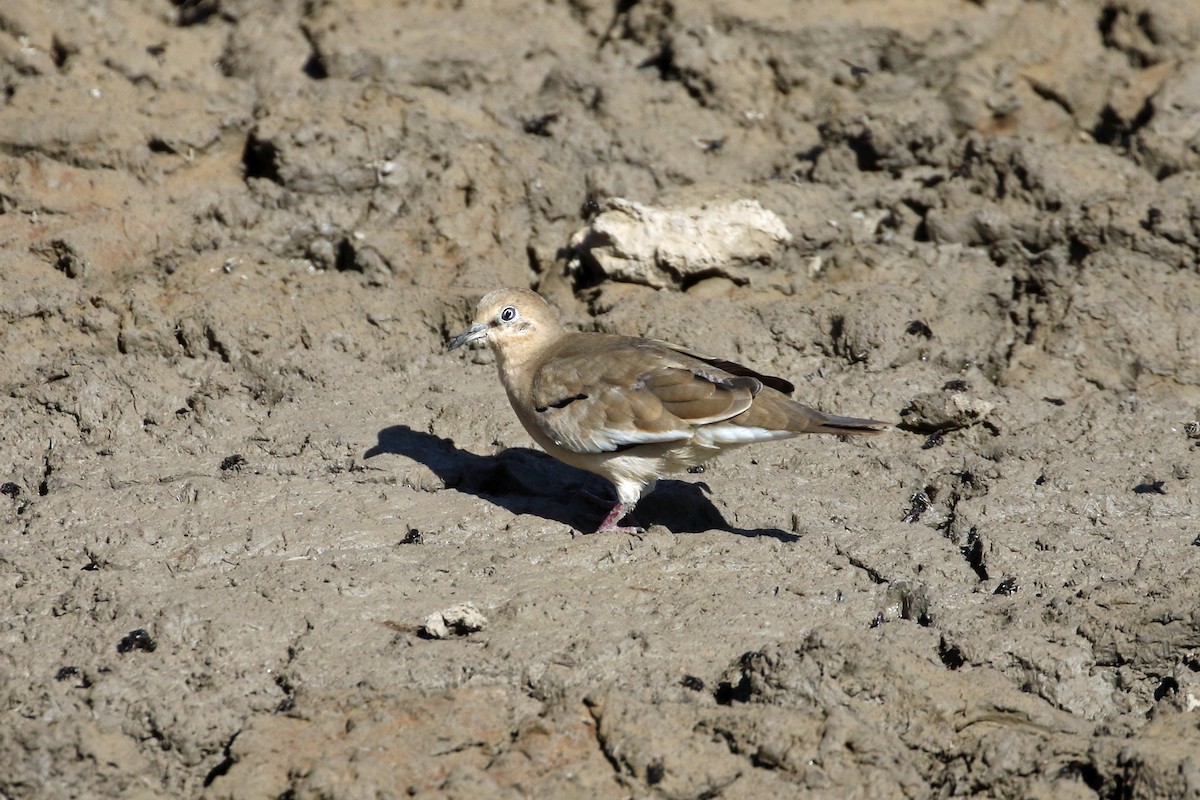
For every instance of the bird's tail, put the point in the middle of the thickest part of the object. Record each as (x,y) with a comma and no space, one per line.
(780,416)
(827,423)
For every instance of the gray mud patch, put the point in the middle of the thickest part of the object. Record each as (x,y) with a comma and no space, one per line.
(238,472)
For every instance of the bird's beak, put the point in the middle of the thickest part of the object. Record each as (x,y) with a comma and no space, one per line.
(471,334)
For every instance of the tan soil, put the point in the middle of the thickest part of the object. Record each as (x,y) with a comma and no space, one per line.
(239,470)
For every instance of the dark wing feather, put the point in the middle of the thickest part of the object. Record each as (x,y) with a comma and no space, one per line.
(733,368)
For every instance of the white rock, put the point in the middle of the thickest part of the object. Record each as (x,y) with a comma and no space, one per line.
(454,621)
(662,247)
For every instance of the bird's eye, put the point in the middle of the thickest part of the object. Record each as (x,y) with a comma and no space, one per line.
(508,314)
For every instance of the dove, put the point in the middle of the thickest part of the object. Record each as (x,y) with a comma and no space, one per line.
(631,409)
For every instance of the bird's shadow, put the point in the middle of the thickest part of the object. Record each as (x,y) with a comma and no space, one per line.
(526,481)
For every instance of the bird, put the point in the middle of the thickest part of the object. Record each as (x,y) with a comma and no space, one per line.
(630,409)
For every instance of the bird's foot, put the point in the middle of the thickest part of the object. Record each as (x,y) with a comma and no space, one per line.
(609,525)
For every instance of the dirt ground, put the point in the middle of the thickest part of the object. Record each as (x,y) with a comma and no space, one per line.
(239,470)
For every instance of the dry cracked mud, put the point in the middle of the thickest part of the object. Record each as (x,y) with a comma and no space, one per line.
(238,471)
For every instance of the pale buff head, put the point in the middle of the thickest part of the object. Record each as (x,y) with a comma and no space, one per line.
(514,322)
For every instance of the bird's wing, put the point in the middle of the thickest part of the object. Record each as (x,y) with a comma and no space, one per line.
(732,367)
(604,394)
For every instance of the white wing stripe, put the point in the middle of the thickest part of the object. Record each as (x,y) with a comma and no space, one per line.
(737,434)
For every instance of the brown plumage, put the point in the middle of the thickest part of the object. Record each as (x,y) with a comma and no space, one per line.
(629,409)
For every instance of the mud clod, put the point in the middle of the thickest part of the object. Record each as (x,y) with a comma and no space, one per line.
(919,503)
(137,639)
(233,462)
(457,620)
(935,412)
(918,328)
(1007,586)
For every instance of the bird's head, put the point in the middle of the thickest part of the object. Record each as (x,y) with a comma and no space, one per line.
(513,322)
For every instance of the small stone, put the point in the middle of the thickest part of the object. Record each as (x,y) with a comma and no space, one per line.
(138,639)
(937,412)
(668,247)
(453,621)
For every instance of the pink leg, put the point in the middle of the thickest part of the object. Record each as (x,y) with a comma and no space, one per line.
(614,516)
